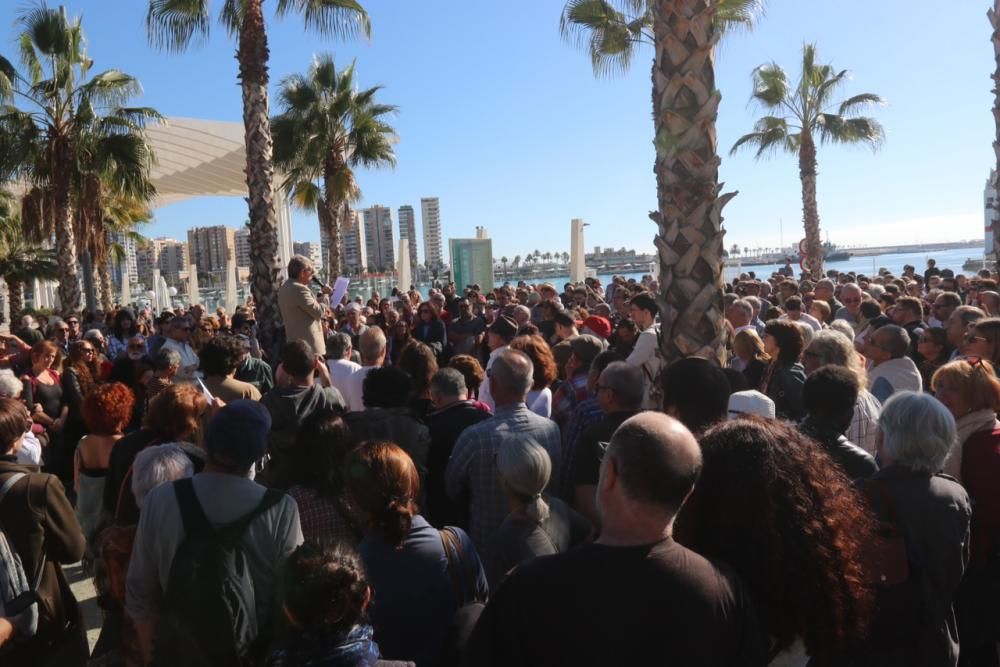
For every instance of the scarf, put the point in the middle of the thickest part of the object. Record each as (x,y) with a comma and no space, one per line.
(966,426)
(355,649)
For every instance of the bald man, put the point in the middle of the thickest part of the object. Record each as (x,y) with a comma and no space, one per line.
(635,597)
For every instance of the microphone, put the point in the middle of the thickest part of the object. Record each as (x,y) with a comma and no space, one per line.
(319,283)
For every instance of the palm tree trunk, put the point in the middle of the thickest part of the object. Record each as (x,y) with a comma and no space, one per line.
(104,280)
(689,241)
(323,213)
(994,16)
(89,284)
(810,210)
(15,296)
(252,55)
(69,282)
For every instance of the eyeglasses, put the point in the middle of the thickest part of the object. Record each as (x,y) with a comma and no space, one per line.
(87,350)
(74,322)
(971,336)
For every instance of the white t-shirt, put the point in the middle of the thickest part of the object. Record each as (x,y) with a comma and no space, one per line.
(30,452)
(352,392)
(540,402)
(644,355)
(340,371)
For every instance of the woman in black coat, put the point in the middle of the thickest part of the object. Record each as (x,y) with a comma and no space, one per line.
(784,378)
(429,329)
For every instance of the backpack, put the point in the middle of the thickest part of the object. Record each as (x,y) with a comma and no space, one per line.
(19,600)
(654,383)
(210,608)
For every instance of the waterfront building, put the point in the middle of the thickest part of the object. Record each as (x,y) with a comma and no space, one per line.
(408,232)
(309,249)
(210,248)
(430,217)
(242,240)
(379,238)
(170,256)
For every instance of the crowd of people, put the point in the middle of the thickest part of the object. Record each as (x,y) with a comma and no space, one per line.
(513,476)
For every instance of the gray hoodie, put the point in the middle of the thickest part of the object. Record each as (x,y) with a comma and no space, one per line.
(289,406)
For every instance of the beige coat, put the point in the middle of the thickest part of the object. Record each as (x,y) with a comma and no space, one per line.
(301,313)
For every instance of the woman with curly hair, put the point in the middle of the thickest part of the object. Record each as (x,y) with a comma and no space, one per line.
(107,409)
(420,576)
(473,372)
(539,398)
(326,605)
(771,504)
(784,377)
(749,349)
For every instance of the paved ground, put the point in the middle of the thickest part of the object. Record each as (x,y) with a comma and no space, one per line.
(83,589)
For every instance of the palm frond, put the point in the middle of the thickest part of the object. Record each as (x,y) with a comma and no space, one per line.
(738,14)
(609,34)
(173,25)
(770,134)
(770,85)
(344,19)
(839,130)
(859,102)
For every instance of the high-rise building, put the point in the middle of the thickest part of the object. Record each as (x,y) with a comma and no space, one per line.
(170,256)
(309,249)
(379,239)
(242,239)
(430,217)
(353,255)
(408,231)
(210,248)
(129,267)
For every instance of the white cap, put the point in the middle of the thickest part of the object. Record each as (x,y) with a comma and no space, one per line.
(750,403)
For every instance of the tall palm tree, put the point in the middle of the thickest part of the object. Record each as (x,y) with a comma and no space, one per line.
(503,260)
(121,217)
(21,260)
(683,35)
(174,24)
(994,16)
(799,115)
(326,130)
(60,128)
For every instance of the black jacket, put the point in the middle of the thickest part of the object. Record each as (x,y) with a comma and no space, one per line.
(785,388)
(856,462)
(445,426)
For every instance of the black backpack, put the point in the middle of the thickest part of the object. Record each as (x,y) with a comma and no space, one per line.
(210,608)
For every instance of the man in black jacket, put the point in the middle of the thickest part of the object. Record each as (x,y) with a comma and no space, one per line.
(829,396)
(452,414)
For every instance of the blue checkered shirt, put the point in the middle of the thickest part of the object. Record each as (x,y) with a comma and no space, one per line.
(472,469)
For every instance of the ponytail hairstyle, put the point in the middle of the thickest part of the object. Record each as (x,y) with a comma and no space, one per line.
(524,468)
(384,484)
(327,591)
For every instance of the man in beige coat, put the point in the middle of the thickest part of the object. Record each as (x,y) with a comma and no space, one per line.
(300,311)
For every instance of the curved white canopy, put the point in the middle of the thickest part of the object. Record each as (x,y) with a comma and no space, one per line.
(204,158)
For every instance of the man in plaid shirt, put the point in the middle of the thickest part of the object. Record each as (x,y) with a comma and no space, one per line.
(574,390)
(471,475)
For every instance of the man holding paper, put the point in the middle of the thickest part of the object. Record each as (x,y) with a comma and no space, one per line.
(300,311)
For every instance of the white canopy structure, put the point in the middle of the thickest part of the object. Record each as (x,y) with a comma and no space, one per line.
(198,158)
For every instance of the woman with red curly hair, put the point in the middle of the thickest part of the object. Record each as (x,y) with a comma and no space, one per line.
(107,409)
(773,505)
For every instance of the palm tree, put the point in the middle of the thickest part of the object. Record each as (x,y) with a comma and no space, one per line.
(326,130)
(565,257)
(121,216)
(800,114)
(517,262)
(21,260)
(683,35)
(173,25)
(994,16)
(503,260)
(74,131)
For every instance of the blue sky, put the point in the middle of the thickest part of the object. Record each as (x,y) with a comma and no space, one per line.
(505,122)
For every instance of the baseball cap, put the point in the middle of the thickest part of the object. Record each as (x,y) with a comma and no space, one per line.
(750,402)
(236,436)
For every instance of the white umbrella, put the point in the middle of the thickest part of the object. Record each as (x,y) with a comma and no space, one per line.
(192,285)
(231,285)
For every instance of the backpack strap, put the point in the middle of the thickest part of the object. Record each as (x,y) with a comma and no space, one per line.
(192,515)
(7,486)
(11,481)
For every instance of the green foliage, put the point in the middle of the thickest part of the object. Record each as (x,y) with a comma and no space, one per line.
(327,129)
(808,107)
(613,30)
(173,25)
